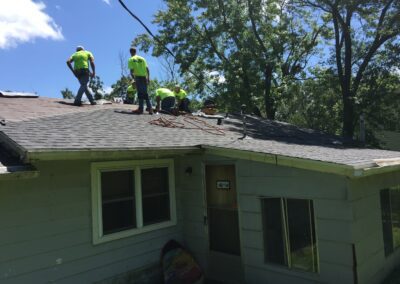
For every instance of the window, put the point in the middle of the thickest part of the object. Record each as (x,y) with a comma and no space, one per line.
(289,233)
(390,208)
(132,197)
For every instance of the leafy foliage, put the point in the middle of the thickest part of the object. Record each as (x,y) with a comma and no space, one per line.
(67,94)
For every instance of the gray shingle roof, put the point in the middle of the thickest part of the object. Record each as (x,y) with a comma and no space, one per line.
(108,129)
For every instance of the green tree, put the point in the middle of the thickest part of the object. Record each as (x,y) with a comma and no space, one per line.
(67,94)
(96,85)
(360,28)
(255,45)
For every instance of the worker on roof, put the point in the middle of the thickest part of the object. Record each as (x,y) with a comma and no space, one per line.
(130,93)
(141,74)
(165,99)
(182,100)
(81,71)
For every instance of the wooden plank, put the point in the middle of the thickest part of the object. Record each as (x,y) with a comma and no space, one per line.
(369,246)
(254,169)
(333,209)
(367,225)
(335,273)
(335,252)
(35,231)
(87,255)
(362,207)
(249,203)
(278,275)
(252,239)
(299,187)
(334,230)
(251,221)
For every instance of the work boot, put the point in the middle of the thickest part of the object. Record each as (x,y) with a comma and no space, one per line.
(93,103)
(137,111)
(150,111)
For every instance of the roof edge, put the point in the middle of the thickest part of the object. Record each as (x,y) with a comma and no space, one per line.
(109,153)
(11,145)
(300,163)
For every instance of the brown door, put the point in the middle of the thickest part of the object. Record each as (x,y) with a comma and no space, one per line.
(223,223)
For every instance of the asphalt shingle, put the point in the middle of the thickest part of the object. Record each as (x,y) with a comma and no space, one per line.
(110,128)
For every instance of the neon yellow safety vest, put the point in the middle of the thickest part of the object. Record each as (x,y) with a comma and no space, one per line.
(138,65)
(181,95)
(81,58)
(164,93)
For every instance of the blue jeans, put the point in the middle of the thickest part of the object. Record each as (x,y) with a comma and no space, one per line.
(141,87)
(168,104)
(83,77)
(184,105)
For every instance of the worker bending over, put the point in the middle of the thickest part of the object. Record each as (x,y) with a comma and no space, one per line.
(130,93)
(82,73)
(141,74)
(182,100)
(165,99)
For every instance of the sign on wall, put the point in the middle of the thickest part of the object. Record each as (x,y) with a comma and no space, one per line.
(223,184)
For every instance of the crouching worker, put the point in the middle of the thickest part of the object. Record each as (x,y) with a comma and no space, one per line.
(182,100)
(130,93)
(165,99)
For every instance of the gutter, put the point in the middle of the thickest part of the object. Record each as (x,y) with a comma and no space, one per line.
(376,167)
(18,172)
(106,154)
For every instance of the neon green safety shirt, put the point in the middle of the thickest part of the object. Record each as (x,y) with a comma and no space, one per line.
(138,65)
(181,95)
(131,91)
(164,93)
(81,58)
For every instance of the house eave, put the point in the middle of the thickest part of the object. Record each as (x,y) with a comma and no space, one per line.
(18,172)
(107,153)
(349,171)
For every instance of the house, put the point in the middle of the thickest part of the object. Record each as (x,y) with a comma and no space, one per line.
(91,194)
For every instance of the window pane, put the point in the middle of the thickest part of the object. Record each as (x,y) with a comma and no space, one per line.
(386,221)
(118,216)
(395,206)
(117,184)
(155,195)
(274,246)
(301,234)
(155,209)
(118,201)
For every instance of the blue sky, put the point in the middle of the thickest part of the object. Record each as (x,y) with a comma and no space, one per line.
(37,37)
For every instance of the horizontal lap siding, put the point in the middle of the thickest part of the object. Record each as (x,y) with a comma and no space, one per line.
(364,194)
(46,231)
(333,221)
(191,191)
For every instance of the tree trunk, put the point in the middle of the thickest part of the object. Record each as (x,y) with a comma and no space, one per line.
(268,99)
(348,114)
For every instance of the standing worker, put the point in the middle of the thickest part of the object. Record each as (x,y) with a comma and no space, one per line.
(183,101)
(141,74)
(82,73)
(166,98)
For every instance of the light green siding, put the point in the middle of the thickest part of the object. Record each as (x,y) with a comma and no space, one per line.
(46,231)
(372,265)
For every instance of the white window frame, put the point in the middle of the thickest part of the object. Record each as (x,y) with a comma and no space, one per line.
(286,236)
(135,166)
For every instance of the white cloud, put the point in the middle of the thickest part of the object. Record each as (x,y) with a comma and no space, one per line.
(107,2)
(23,21)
